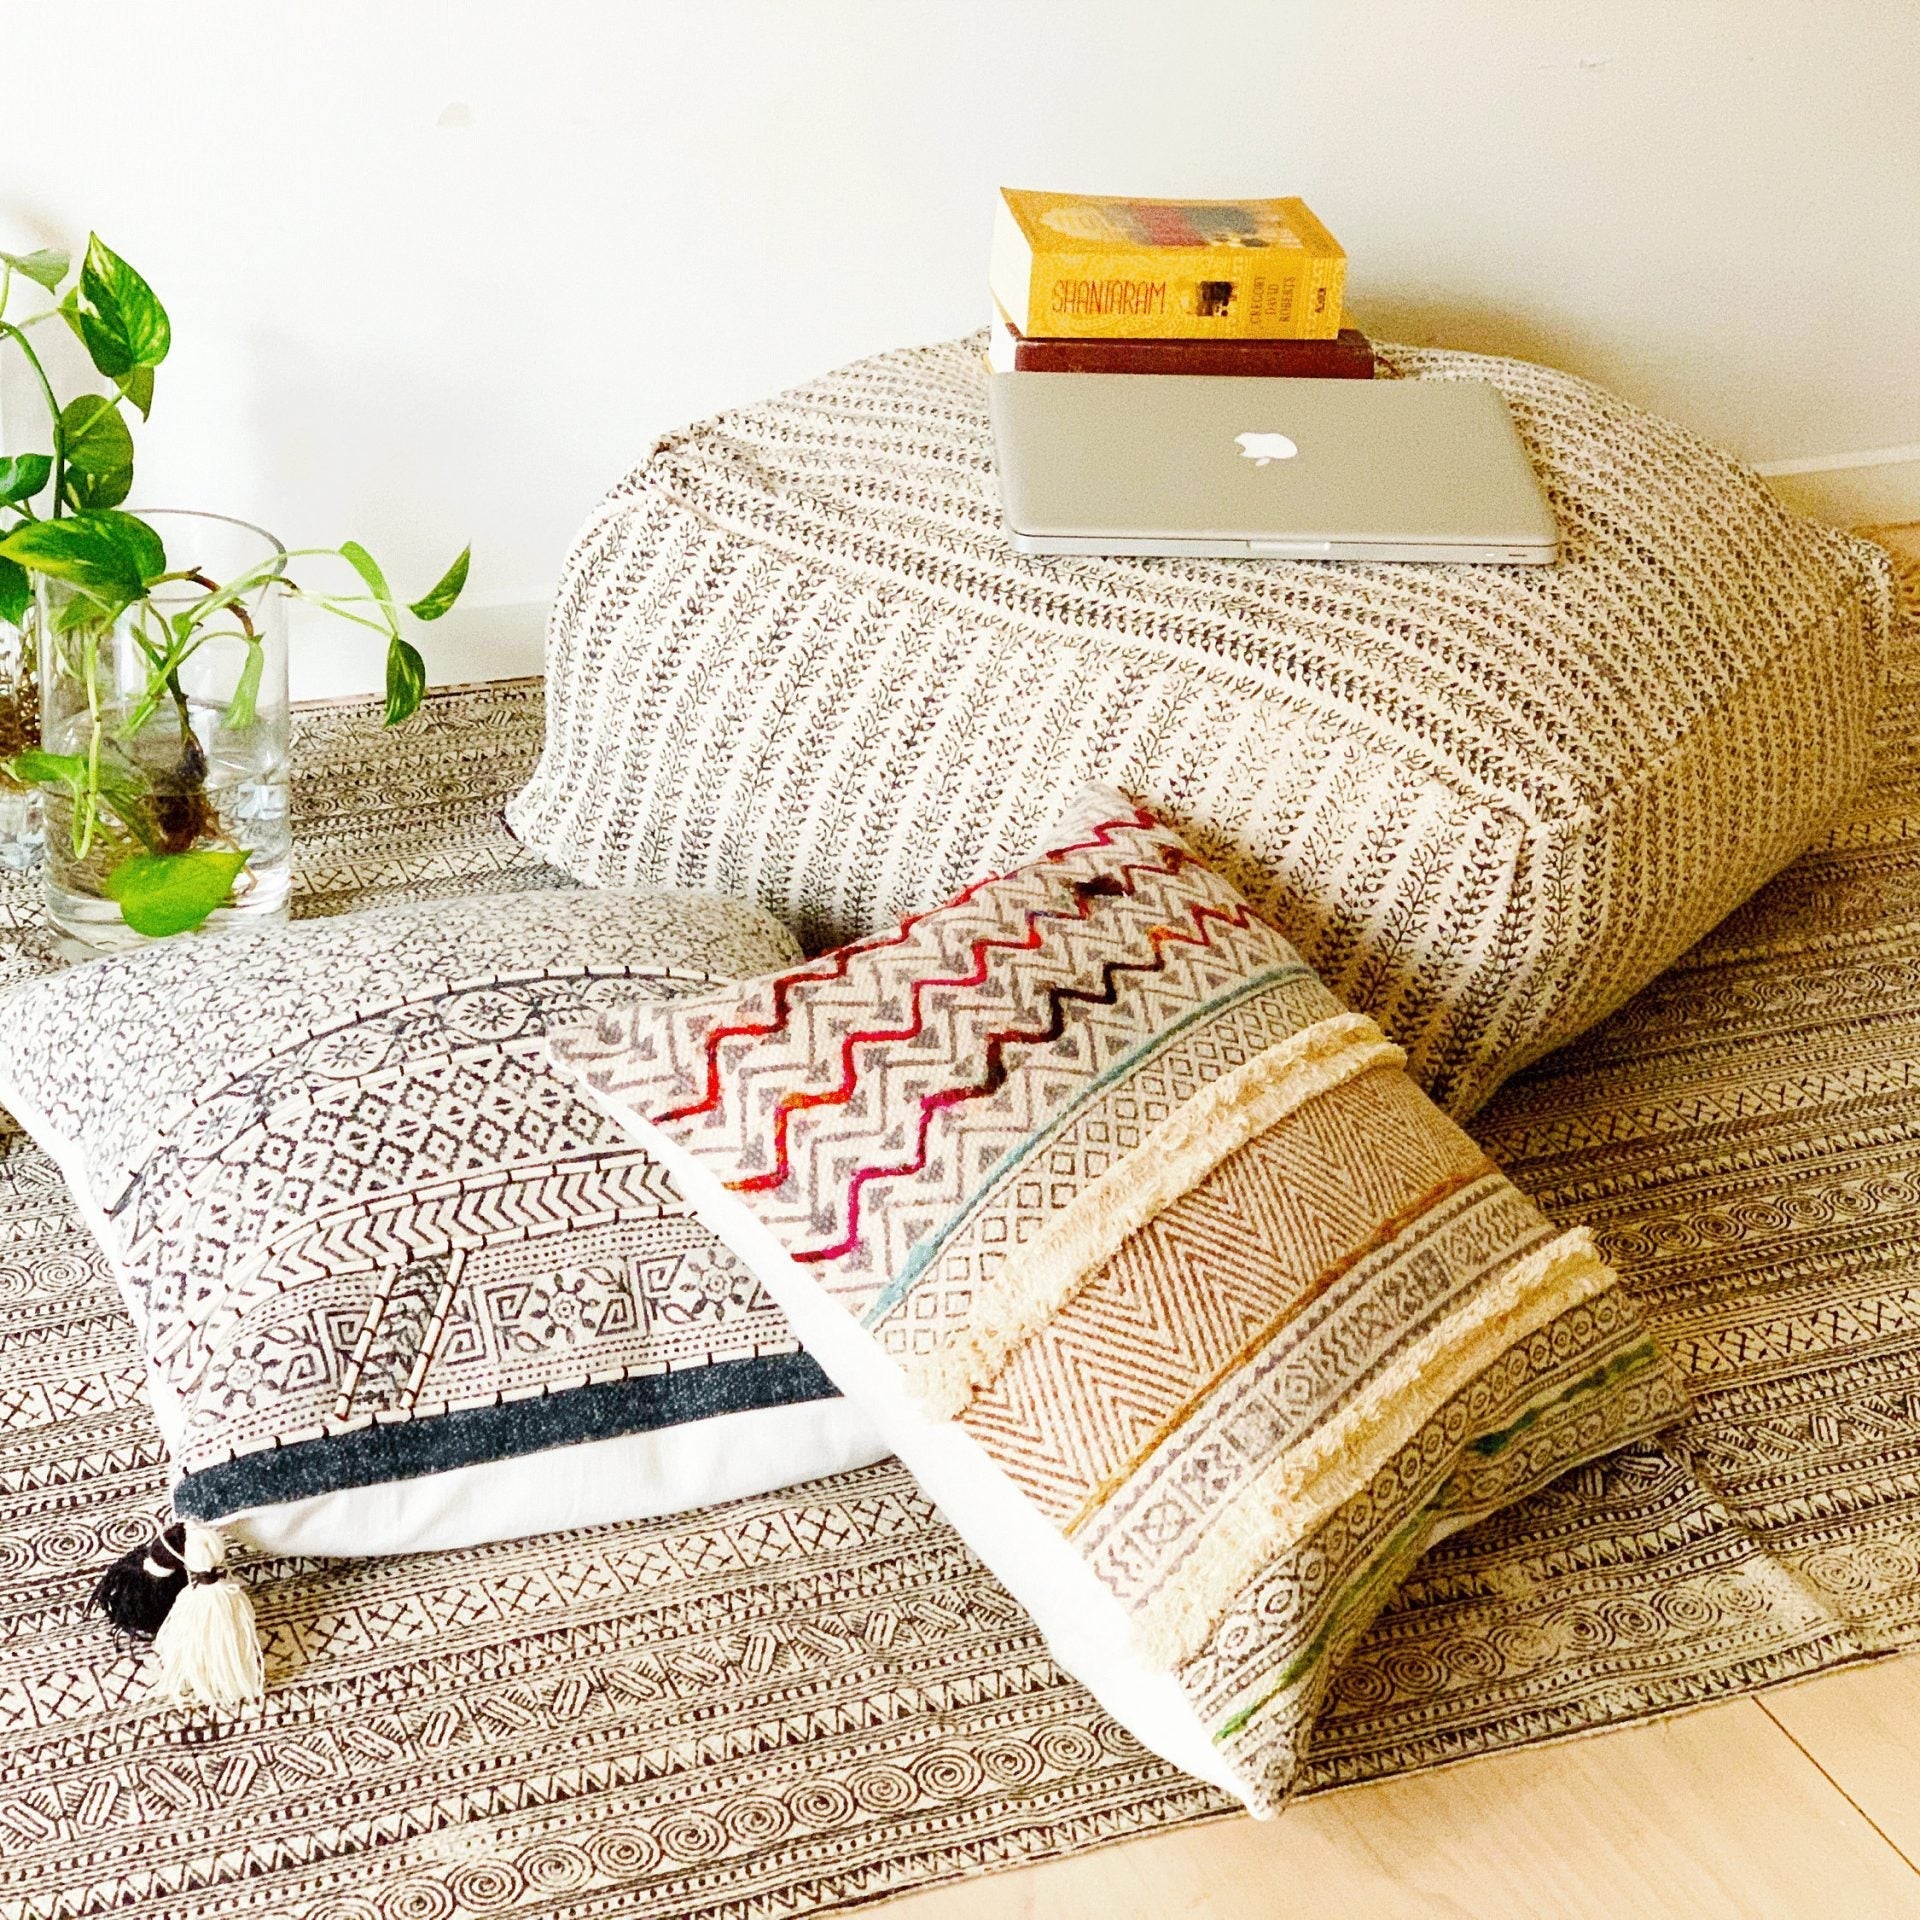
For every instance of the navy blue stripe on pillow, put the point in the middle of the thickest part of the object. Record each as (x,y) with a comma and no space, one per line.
(469,1436)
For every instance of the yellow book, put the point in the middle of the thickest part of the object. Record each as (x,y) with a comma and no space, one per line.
(1079,266)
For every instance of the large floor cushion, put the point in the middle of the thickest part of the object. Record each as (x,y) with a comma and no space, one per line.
(793,657)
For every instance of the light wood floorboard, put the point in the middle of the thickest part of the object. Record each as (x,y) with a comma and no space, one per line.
(1861,1728)
(1716,1813)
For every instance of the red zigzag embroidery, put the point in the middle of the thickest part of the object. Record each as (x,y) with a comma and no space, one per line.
(790,984)
(1159,938)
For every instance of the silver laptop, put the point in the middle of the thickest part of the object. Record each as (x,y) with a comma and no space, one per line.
(1117,463)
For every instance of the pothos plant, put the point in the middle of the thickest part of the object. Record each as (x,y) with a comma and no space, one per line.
(151,829)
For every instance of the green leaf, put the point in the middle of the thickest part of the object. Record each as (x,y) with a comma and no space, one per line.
(112,355)
(368,568)
(112,558)
(16,591)
(246,690)
(99,451)
(87,492)
(121,790)
(123,324)
(138,387)
(94,436)
(166,893)
(46,267)
(406,681)
(23,475)
(37,769)
(445,591)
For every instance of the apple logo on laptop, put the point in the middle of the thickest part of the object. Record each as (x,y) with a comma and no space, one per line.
(1263,447)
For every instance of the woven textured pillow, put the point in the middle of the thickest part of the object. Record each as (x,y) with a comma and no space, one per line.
(1193,1313)
(397,1284)
(794,657)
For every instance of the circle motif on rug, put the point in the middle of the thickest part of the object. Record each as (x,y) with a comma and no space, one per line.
(690,1836)
(754,1819)
(1009,1763)
(624,1853)
(418,1900)
(821,1805)
(555,1866)
(485,1886)
(948,1773)
(1067,1749)
(884,1789)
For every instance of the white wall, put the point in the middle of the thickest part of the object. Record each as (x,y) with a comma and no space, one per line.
(441,271)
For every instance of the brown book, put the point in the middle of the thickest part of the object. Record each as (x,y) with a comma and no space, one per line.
(1348,356)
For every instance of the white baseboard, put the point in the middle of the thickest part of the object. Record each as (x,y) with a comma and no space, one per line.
(1876,488)
(333,661)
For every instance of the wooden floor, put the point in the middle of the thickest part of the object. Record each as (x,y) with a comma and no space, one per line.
(1798,1804)
(1804,1801)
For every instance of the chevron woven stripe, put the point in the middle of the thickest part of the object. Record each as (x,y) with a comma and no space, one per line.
(1244,1255)
(953,1272)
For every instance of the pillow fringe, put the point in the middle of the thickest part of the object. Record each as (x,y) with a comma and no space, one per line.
(1224,1116)
(1310,1482)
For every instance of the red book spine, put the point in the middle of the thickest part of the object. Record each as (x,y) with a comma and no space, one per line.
(1349,356)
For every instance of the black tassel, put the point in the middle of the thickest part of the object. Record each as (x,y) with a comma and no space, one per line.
(137,1592)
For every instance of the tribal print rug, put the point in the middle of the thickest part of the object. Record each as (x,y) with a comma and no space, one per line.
(816,1699)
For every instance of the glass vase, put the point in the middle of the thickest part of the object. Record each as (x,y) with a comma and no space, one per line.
(19,730)
(189,734)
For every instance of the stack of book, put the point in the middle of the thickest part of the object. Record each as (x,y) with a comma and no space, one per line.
(1086,284)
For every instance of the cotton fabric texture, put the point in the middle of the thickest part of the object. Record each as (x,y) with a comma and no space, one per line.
(397,1284)
(1193,1314)
(793,657)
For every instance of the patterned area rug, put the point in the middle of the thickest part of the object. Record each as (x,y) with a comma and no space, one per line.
(814,1700)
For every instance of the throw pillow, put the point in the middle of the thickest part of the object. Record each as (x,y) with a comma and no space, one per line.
(1192,1312)
(793,657)
(398,1285)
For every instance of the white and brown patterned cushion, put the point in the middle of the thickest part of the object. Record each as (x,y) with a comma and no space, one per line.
(1195,1315)
(794,657)
(397,1283)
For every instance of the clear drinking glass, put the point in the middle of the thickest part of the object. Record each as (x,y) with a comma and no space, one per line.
(192,758)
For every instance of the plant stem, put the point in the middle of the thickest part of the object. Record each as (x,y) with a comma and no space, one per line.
(85,805)
(8,331)
(328,604)
(228,595)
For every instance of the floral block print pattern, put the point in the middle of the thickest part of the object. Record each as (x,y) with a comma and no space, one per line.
(1129,1201)
(368,1233)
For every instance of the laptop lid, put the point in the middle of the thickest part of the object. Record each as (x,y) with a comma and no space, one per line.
(1330,469)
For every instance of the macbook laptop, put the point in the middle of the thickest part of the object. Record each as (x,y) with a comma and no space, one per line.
(1115,463)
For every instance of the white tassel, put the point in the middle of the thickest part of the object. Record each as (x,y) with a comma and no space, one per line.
(208,1645)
